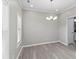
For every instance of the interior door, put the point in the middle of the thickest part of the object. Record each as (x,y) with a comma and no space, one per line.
(70,29)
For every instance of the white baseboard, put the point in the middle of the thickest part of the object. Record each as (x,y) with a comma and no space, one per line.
(63,43)
(19,52)
(40,44)
(34,45)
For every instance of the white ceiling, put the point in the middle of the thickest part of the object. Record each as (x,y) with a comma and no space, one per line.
(45,5)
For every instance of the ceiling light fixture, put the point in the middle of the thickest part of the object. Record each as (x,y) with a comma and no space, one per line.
(52,17)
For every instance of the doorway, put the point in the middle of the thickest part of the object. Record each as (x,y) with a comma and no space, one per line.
(71,30)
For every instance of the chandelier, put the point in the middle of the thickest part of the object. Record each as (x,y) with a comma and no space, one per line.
(52,17)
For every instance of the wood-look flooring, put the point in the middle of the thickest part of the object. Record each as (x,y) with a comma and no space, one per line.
(49,51)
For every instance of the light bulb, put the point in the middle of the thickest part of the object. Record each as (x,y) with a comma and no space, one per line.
(51,17)
(48,18)
(55,18)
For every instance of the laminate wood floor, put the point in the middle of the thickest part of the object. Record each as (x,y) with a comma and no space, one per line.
(49,51)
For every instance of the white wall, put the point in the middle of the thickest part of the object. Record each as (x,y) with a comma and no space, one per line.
(63,24)
(5,31)
(36,29)
(14,8)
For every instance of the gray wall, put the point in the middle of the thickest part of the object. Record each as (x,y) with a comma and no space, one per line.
(36,29)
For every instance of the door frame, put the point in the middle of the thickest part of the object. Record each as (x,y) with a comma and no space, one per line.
(67,18)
